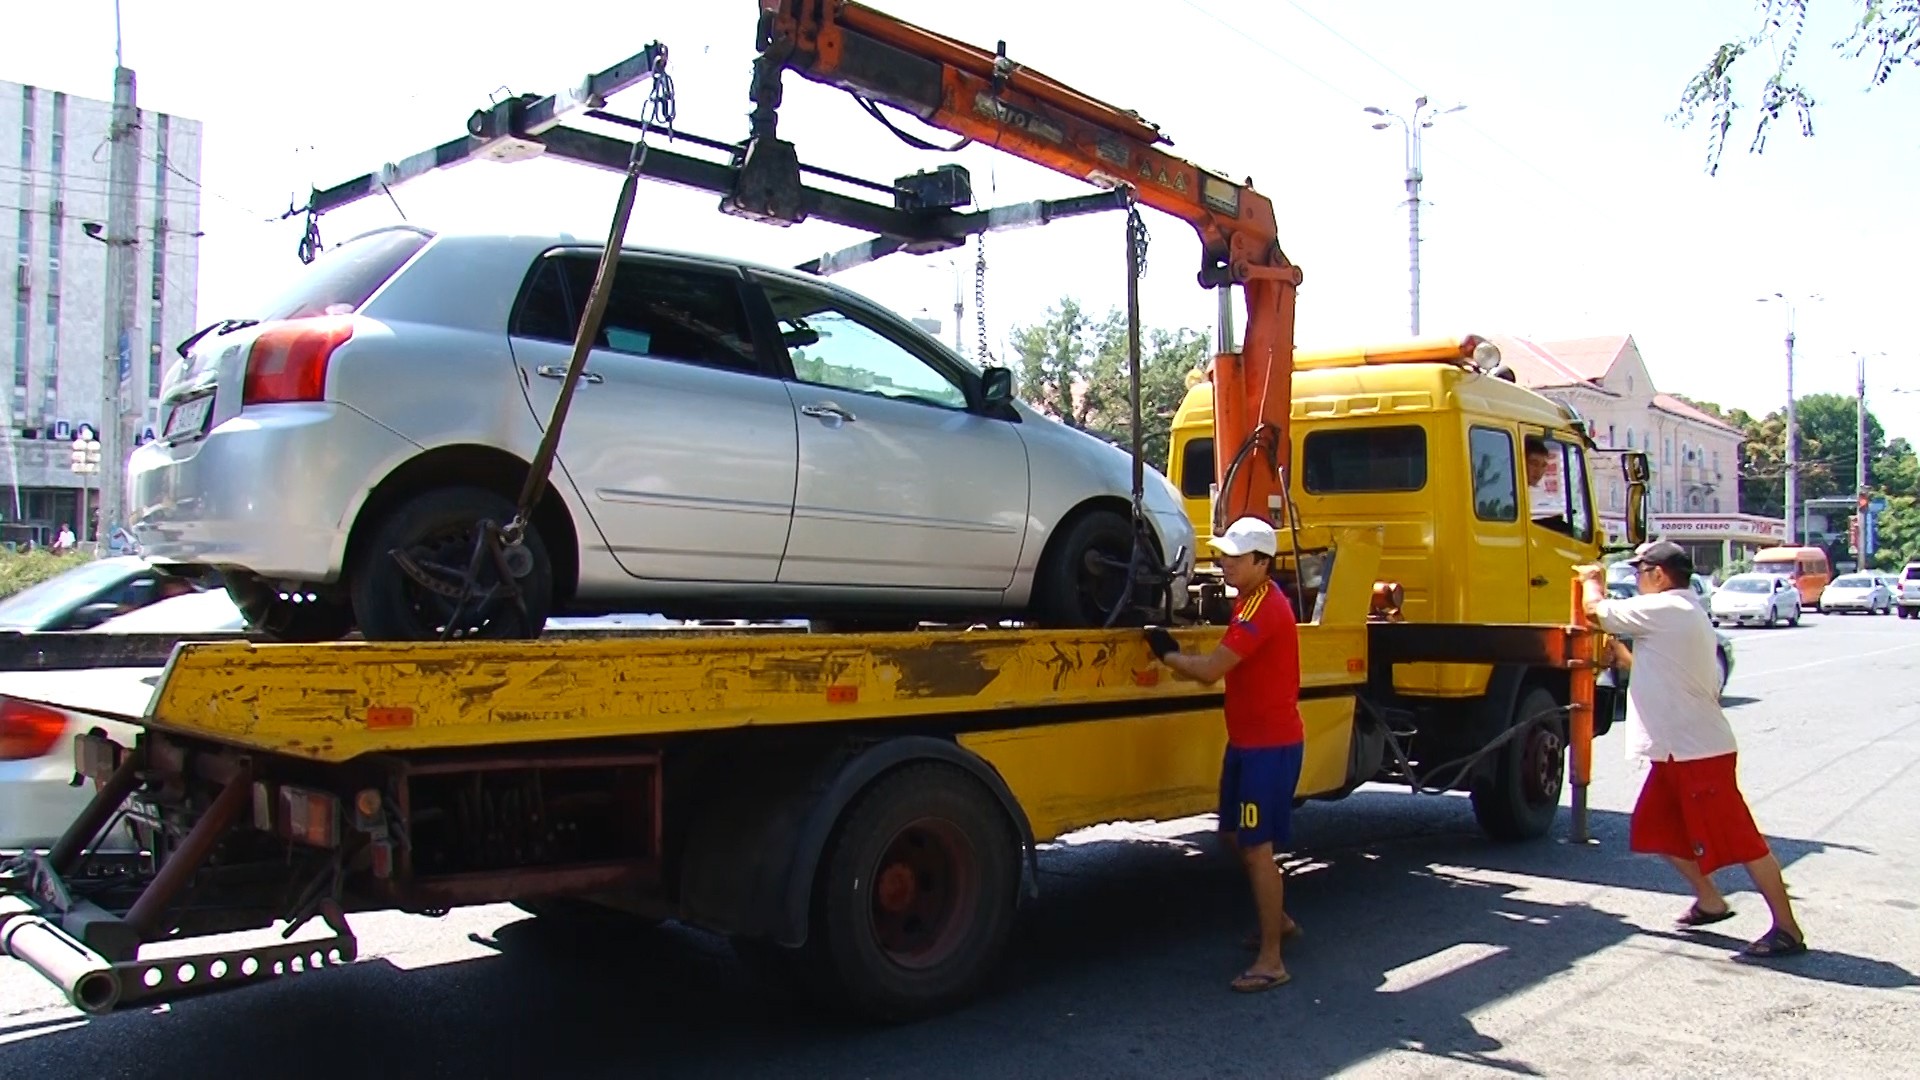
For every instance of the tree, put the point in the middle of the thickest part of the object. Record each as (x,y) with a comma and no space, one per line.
(1075,370)
(1886,33)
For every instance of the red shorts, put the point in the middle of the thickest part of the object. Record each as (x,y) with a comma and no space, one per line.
(1694,810)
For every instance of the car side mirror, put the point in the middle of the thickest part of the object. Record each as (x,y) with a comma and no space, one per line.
(996,385)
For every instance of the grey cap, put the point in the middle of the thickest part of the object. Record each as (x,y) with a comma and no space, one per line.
(1665,554)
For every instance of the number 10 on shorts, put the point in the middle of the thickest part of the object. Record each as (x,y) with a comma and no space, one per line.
(1249,815)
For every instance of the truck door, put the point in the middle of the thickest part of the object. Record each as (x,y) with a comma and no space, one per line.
(1499,564)
(1560,524)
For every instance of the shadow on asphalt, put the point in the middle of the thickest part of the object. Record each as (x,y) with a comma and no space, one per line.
(1734,701)
(1118,969)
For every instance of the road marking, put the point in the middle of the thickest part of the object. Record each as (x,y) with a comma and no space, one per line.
(1832,660)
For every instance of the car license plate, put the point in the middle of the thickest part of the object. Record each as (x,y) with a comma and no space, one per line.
(189,417)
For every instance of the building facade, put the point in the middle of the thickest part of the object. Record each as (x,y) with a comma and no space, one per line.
(54,175)
(1694,494)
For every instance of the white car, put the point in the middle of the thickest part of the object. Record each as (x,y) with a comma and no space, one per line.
(37,797)
(1856,592)
(745,442)
(1908,598)
(1761,599)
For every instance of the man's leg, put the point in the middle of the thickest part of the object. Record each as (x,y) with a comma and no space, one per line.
(1710,900)
(1269,899)
(1766,877)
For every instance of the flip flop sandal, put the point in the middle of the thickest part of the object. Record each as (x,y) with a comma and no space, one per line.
(1697,917)
(1253,982)
(1291,933)
(1777,943)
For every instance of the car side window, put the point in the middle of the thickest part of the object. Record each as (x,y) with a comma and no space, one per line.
(660,311)
(1495,494)
(830,346)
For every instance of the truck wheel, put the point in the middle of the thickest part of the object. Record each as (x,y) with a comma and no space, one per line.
(1075,588)
(915,898)
(436,530)
(1519,797)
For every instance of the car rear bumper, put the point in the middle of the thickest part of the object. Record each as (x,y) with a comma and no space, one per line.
(38,802)
(268,490)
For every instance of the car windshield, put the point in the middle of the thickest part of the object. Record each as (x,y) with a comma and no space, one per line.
(1853,581)
(1752,584)
(340,280)
(32,607)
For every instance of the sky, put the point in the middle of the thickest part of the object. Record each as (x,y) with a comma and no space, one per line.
(1559,203)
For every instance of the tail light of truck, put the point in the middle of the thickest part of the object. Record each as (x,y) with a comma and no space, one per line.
(28,730)
(288,360)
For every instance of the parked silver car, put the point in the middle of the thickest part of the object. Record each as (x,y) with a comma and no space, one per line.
(745,442)
(1764,599)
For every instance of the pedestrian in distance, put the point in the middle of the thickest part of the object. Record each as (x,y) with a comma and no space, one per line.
(1259,657)
(1690,810)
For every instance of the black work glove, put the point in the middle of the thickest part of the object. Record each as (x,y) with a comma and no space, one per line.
(1161,642)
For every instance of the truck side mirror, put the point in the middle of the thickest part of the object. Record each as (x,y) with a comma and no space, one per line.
(1636,512)
(1635,465)
(996,385)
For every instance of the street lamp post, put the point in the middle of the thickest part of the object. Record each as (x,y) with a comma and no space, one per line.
(86,462)
(1793,429)
(1421,120)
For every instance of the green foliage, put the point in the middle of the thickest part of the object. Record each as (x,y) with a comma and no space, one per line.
(1885,33)
(1827,447)
(1074,368)
(25,569)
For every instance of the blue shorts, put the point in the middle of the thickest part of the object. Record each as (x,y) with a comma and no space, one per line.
(1256,793)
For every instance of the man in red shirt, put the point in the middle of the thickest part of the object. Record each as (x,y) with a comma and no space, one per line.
(1260,659)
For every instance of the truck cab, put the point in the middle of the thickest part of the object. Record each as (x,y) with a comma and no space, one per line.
(1484,488)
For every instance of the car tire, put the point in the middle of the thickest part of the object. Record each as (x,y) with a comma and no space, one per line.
(1794,619)
(1518,798)
(1071,594)
(277,618)
(915,896)
(437,529)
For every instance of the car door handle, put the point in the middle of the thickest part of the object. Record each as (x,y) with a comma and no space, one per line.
(556,371)
(1540,581)
(827,412)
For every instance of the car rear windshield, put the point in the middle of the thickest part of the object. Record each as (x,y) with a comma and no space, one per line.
(339,281)
(1752,584)
(1854,581)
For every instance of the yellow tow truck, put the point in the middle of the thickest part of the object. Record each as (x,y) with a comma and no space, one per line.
(860,811)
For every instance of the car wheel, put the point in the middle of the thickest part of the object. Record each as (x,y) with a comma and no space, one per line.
(1794,619)
(1078,586)
(289,619)
(436,532)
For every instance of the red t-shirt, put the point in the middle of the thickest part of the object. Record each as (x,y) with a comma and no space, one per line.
(1263,689)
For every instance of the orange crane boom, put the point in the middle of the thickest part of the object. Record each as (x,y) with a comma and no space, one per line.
(988,99)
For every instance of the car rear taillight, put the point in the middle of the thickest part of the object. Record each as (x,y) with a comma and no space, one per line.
(28,730)
(288,361)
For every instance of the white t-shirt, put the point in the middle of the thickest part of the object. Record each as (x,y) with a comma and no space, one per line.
(1673,691)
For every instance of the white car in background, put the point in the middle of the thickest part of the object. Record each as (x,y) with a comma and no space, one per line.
(1856,592)
(1760,599)
(745,442)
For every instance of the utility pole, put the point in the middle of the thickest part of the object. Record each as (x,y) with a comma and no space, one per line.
(116,419)
(1415,176)
(1793,426)
(1860,462)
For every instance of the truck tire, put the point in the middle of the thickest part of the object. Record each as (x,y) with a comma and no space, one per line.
(1520,796)
(436,529)
(915,896)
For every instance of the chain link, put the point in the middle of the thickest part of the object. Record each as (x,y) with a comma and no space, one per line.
(1137,235)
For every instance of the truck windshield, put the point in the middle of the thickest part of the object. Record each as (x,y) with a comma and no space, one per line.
(1785,567)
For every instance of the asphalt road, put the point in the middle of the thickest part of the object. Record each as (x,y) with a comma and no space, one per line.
(1428,952)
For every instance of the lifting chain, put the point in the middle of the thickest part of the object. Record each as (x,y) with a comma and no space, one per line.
(1137,235)
(980,296)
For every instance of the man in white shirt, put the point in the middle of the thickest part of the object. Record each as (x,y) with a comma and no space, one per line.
(1690,809)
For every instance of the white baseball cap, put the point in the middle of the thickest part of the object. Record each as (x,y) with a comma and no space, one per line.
(1247,534)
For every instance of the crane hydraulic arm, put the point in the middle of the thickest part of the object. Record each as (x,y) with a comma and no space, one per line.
(987,99)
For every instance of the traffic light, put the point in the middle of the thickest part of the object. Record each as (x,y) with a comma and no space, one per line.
(1853,534)
(1863,502)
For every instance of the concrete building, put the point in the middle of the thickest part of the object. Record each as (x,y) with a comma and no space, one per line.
(54,159)
(1695,492)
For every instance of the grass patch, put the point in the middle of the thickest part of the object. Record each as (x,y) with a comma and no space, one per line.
(21,570)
